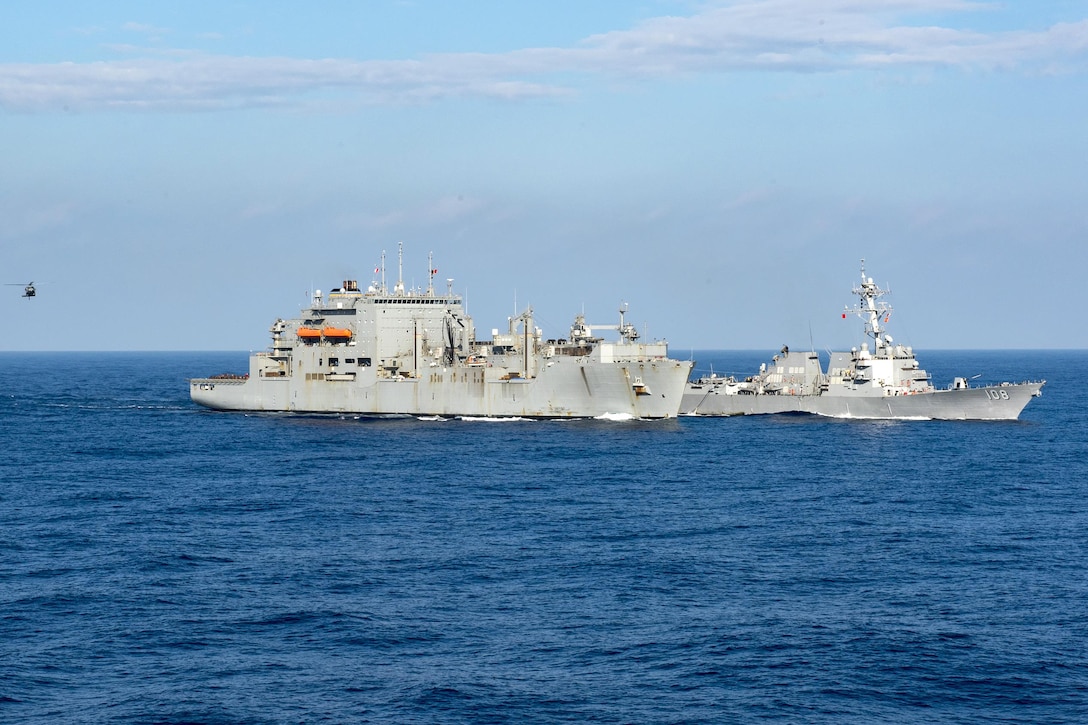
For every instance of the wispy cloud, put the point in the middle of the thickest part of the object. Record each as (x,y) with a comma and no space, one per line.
(143,28)
(748,35)
(441,212)
(25,218)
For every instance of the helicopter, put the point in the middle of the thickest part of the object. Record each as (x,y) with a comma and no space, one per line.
(28,289)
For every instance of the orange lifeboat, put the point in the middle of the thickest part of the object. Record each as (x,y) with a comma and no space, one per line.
(308,334)
(337,334)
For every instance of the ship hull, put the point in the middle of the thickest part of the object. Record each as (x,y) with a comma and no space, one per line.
(399,351)
(997,402)
(564,389)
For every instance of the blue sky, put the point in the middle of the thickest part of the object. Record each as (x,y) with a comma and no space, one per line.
(176,176)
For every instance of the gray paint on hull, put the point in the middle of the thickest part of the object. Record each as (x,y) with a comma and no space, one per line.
(996,402)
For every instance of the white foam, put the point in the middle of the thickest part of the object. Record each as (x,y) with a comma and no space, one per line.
(885,418)
(615,416)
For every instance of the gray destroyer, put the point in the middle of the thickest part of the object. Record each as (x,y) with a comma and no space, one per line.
(415,352)
(884,382)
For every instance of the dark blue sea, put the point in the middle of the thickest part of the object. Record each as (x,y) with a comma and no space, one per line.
(161,563)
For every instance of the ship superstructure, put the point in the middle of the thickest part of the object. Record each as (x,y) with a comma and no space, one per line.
(885,381)
(382,351)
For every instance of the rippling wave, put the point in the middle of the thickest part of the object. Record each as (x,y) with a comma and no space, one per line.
(164,563)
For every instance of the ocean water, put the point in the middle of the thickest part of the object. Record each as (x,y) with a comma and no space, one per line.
(164,563)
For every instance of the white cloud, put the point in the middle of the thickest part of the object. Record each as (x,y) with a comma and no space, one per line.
(260,209)
(751,197)
(437,212)
(143,28)
(754,35)
(24,218)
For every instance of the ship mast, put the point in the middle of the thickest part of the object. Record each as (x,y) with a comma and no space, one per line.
(384,291)
(871,309)
(430,274)
(399,289)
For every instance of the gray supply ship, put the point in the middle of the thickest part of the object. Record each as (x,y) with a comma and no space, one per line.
(884,382)
(415,352)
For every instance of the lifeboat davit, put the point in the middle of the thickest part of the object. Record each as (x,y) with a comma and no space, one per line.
(336,333)
(308,334)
